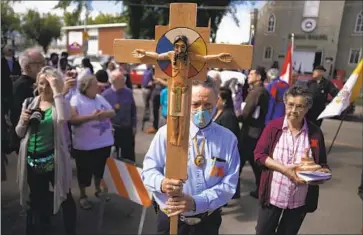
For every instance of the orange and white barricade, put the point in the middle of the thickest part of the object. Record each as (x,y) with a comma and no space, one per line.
(124,179)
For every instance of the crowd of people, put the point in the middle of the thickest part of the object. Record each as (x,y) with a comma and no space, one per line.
(54,113)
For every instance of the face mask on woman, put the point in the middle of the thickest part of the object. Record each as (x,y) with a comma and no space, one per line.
(202,118)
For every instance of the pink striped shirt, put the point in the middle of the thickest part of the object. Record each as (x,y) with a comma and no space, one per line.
(288,151)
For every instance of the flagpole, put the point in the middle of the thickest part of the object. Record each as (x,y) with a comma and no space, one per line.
(252,35)
(292,46)
(336,134)
(292,58)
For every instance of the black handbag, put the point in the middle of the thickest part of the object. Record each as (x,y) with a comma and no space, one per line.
(312,198)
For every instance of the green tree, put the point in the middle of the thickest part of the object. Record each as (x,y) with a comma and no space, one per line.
(10,21)
(74,17)
(107,19)
(144,18)
(42,28)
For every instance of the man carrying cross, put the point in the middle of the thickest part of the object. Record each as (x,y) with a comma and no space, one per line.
(213,169)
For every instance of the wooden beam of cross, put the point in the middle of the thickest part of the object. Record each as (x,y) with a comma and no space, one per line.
(181,52)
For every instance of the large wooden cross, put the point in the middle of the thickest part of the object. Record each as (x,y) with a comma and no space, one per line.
(180,71)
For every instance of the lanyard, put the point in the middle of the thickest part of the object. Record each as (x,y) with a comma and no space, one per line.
(199,159)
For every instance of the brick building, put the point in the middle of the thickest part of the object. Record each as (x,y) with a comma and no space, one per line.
(100,38)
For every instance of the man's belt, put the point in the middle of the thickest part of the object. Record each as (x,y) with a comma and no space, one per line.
(193,219)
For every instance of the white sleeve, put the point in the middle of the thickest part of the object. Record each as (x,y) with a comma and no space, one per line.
(74,101)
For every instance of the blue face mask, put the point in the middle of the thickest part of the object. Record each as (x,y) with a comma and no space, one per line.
(202,118)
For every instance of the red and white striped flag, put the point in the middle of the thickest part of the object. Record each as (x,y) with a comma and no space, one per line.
(286,70)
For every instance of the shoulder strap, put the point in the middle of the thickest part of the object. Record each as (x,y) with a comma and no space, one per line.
(29,100)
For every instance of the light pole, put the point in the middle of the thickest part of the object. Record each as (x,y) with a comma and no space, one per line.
(85,34)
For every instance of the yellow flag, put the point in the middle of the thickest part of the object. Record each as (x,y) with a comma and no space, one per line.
(347,95)
(358,71)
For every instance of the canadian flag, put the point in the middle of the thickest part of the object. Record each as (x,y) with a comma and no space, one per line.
(286,70)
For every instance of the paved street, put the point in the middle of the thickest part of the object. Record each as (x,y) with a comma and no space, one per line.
(339,212)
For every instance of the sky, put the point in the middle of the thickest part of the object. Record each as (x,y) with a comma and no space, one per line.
(228,31)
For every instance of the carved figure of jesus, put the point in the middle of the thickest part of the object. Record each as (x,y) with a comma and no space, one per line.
(180,59)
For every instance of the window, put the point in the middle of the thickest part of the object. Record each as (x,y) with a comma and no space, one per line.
(359,23)
(354,56)
(93,37)
(267,55)
(271,23)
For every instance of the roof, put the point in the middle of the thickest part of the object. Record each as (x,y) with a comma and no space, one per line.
(95,26)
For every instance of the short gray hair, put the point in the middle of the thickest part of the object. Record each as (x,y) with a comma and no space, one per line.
(208,83)
(25,57)
(300,90)
(113,76)
(215,75)
(85,82)
(273,74)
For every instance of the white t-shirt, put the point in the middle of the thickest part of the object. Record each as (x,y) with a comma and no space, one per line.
(93,134)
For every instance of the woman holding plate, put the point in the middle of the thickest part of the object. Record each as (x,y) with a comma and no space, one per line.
(279,152)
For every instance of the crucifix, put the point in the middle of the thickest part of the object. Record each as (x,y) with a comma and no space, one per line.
(181,52)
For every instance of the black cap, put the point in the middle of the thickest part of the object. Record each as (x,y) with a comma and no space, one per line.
(102,76)
(320,67)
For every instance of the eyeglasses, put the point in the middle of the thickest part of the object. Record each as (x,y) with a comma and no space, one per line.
(298,107)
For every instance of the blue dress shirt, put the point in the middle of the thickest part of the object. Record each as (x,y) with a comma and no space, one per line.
(209,192)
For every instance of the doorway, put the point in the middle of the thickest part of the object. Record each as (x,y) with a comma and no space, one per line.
(318,58)
(303,61)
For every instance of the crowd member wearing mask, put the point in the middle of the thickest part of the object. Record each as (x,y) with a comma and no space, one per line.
(124,122)
(213,160)
(44,156)
(8,60)
(253,120)
(91,135)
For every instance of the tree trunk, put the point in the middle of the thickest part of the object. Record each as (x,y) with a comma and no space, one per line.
(45,49)
(213,37)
